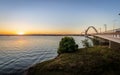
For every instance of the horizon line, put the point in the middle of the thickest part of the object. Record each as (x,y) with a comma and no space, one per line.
(41,35)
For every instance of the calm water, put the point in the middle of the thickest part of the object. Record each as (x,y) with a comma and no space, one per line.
(17,53)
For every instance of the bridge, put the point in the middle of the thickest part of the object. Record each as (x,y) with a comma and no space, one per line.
(111,36)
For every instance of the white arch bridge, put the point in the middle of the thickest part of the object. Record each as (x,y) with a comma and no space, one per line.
(113,37)
(86,31)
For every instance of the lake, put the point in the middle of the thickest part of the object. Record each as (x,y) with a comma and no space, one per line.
(17,53)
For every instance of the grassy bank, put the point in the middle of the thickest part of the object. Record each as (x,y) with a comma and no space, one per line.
(88,61)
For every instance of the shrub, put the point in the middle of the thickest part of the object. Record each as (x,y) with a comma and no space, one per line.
(86,44)
(95,41)
(66,45)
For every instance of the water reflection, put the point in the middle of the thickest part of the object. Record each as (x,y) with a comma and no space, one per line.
(20,43)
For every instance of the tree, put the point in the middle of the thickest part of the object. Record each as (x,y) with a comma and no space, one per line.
(67,45)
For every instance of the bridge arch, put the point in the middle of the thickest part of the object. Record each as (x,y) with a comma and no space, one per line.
(89,28)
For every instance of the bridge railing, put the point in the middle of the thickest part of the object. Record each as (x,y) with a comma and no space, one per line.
(113,33)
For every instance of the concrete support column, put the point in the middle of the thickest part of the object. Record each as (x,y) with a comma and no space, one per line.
(109,44)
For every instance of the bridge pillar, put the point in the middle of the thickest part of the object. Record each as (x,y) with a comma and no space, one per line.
(109,44)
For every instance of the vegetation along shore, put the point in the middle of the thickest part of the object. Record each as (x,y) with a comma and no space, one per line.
(97,60)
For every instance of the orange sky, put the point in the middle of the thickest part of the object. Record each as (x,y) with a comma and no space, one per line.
(36,32)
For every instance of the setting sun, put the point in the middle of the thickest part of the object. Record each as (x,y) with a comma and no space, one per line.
(21,33)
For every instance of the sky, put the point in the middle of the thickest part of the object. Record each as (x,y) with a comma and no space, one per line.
(57,16)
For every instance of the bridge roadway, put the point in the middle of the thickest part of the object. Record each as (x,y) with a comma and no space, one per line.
(109,37)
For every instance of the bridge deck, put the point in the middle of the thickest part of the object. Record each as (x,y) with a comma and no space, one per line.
(109,37)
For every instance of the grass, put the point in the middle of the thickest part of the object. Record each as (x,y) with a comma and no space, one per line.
(87,61)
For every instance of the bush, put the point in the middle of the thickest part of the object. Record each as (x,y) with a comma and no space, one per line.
(86,44)
(66,45)
(95,41)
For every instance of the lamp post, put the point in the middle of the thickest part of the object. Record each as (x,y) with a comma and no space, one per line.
(105,27)
(100,30)
(114,24)
(119,14)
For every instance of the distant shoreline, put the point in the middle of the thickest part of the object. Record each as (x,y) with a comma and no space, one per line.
(42,35)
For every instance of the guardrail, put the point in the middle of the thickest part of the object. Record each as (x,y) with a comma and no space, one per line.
(114,34)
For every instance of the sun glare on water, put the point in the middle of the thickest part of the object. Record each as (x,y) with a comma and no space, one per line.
(21,33)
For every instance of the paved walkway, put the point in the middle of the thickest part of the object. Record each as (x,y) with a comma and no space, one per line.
(109,37)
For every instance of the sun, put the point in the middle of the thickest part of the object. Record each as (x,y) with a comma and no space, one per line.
(21,33)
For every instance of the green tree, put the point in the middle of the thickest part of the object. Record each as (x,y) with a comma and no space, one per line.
(66,45)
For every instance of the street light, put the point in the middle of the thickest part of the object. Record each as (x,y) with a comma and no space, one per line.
(100,30)
(114,24)
(119,14)
(105,27)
